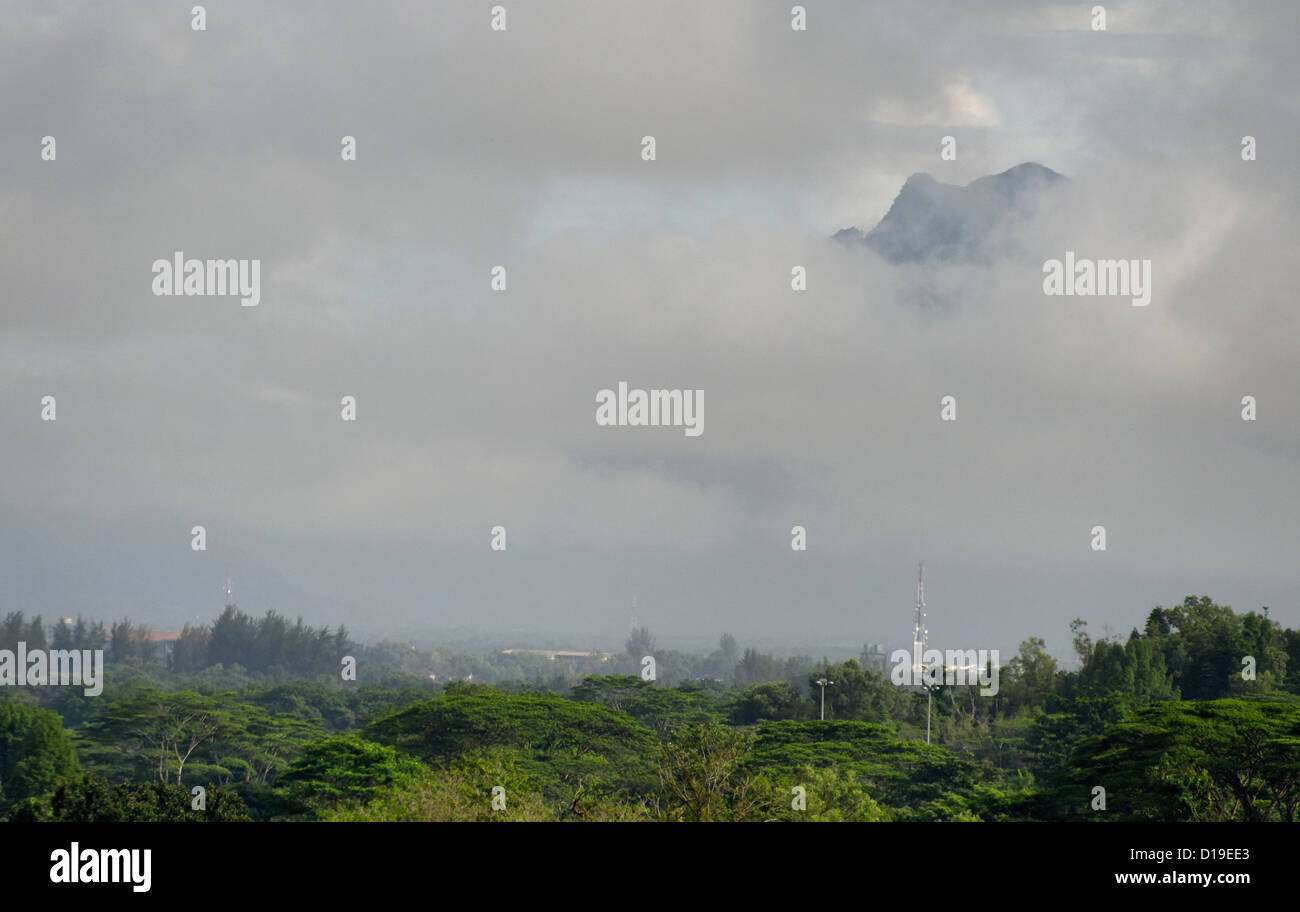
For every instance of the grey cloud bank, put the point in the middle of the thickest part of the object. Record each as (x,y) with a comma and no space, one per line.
(475,408)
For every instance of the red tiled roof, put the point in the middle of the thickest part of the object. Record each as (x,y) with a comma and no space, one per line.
(158,636)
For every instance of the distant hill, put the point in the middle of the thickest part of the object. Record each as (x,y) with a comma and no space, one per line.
(930,221)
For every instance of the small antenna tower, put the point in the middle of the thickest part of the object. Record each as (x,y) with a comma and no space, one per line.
(920,635)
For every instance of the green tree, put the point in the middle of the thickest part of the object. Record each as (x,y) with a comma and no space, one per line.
(859,694)
(461,790)
(158,731)
(767,702)
(63,636)
(640,643)
(90,799)
(346,768)
(173,735)
(661,709)
(35,754)
(701,778)
(917,781)
(1208,760)
(1081,641)
(556,742)
(729,648)
(36,634)
(831,795)
(1032,676)
(756,667)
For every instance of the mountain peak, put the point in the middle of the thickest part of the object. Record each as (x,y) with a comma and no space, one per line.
(920,178)
(930,220)
(1030,169)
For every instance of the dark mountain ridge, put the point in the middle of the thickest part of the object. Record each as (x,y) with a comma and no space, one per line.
(930,221)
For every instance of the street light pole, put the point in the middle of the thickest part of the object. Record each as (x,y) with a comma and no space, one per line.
(823,682)
(929,700)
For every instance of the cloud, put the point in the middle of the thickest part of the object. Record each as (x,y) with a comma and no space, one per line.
(822,407)
(960,105)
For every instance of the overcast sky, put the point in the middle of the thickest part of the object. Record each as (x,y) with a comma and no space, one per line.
(523,148)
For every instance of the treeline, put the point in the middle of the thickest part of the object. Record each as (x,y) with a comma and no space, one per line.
(618,748)
(270,645)
(1195,716)
(122,642)
(38,635)
(1196,651)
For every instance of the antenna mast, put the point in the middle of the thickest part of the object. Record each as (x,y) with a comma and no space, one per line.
(920,635)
